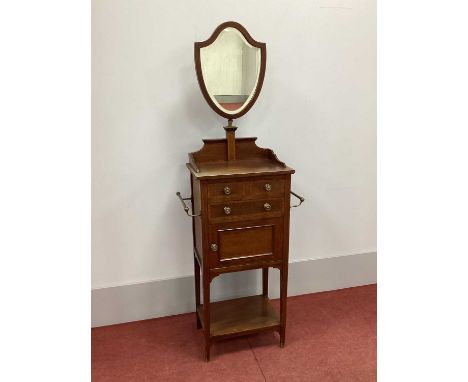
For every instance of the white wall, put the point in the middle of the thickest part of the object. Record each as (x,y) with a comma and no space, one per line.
(317,110)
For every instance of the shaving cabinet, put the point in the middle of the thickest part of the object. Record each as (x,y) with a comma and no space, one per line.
(241,194)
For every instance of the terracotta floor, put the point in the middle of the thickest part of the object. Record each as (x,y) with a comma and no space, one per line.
(330,336)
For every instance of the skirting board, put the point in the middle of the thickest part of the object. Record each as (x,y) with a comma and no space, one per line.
(133,302)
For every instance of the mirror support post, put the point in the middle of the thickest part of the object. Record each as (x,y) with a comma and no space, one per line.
(230,140)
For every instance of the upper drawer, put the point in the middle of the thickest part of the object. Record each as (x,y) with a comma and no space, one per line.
(266,188)
(253,188)
(224,191)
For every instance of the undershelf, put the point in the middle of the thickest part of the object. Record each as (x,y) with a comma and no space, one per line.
(241,316)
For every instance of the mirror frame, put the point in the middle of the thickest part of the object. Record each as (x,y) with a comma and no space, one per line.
(261,75)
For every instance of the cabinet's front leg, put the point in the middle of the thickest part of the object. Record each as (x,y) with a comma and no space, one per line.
(265,281)
(197,289)
(206,313)
(283,298)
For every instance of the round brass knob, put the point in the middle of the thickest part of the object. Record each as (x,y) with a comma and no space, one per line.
(214,247)
(227,191)
(227,210)
(268,187)
(267,206)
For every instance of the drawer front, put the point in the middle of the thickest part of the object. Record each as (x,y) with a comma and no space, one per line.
(225,191)
(255,241)
(246,189)
(242,210)
(266,188)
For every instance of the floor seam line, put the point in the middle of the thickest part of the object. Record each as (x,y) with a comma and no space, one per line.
(256,360)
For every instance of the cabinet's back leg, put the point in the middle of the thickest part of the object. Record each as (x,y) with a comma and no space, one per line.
(265,281)
(206,313)
(283,298)
(207,351)
(197,289)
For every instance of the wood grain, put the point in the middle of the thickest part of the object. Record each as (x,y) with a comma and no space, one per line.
(231,143)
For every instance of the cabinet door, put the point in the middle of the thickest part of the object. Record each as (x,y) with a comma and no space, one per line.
(245,242)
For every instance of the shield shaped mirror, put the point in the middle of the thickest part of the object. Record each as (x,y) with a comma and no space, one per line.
(230,68)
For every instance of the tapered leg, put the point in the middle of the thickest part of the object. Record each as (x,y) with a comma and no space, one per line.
(197,289)
(283,297)
(265,281)
(207,351)
(206,314)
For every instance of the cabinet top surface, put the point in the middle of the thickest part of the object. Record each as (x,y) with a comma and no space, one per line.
(210,161)
(238,168)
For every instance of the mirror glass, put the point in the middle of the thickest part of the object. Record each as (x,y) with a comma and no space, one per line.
(230,68)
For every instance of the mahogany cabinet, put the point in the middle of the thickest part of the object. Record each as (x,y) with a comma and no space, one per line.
(240,222)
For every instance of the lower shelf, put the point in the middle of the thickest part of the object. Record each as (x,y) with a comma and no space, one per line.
(240,316)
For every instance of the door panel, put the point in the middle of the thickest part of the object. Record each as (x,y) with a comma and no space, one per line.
(244,242)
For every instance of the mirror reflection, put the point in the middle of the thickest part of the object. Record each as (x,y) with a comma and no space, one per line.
(230,68)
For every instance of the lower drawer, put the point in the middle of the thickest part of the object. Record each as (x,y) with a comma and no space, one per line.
(242,210)
(253,241)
